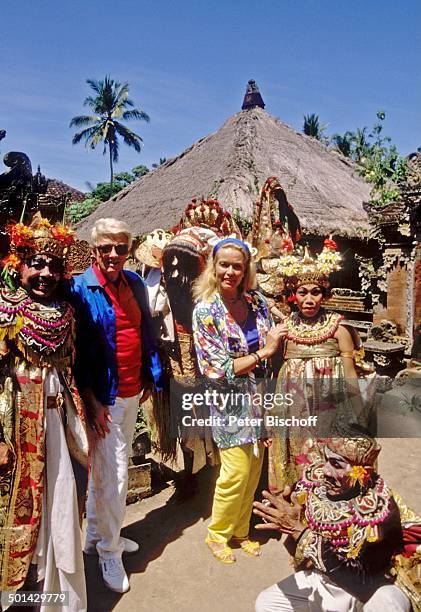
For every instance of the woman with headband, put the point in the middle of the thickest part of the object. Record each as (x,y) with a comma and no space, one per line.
(233,336)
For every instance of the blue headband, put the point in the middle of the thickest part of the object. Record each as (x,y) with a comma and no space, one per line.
(227,241)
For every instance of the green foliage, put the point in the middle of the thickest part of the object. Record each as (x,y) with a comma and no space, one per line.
(162,160)
(76,211)
(244,223)
(343,144)
(110,106)
(102,192)
(139,171)
(377,160)
(312,127)
(380,164)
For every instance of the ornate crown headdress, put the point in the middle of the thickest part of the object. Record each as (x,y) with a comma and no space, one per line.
(209,213)
(301,269)
(40,236)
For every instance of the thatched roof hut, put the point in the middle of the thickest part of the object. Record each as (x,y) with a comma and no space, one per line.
(232,164)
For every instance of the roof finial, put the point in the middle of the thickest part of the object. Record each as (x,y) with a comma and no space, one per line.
(252,97)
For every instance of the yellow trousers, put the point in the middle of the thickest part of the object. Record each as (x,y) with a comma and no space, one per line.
(234,492)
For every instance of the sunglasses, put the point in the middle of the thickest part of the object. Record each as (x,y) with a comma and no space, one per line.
(120,249)
(54,265)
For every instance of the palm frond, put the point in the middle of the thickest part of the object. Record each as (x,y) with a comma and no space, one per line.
(136,114)
(87,134)
(84,120)
(130,138)
(95,85)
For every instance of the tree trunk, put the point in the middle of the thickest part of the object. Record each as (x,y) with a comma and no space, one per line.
(110,147)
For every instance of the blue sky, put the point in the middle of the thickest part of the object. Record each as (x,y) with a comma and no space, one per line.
(188,62)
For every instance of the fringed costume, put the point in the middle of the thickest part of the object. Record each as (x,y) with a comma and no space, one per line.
(42,425)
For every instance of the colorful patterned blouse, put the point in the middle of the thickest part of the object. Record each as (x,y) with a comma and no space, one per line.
(218,340)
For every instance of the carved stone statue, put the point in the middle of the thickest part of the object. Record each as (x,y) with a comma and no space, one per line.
(20,172)
(386,331)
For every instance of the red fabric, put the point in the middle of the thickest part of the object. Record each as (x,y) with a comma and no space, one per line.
(128,334)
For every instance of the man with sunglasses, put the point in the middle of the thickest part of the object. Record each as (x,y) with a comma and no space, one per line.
(116,365)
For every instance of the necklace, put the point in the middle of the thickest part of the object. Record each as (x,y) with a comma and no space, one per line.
(312,331)
(232,301)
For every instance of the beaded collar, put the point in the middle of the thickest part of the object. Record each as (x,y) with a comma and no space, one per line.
(346,524)
(308,331)
(38,330)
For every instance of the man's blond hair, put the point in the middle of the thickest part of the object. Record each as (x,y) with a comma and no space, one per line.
(110,227)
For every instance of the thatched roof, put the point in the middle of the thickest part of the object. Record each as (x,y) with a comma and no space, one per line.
(232,164)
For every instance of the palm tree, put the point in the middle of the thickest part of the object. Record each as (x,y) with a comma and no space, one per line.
(162,160)
(361,144)
(111,104)
(312,126)
(343,144)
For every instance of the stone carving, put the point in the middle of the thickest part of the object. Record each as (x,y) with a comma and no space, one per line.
(386,331)
(20,173)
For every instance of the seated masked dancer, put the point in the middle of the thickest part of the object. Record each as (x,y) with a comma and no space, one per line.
(318,369)
(355,544)
(41,419)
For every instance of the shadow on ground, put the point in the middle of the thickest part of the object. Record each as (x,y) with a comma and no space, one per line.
(158,528)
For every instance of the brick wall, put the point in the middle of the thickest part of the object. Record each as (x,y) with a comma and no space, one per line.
(397,286)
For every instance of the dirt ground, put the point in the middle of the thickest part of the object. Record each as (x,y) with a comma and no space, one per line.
(174,570)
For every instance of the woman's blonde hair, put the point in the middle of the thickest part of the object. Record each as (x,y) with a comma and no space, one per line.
(110,227)
(206,286)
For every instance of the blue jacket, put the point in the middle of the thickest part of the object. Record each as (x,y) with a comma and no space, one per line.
(96,361)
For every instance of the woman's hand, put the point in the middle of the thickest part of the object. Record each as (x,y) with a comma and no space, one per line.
(274,339)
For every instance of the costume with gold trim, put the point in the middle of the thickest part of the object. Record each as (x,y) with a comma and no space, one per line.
(36,342)
(363,542)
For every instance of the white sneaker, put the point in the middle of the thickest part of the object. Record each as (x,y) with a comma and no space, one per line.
(114,574)
(130,547)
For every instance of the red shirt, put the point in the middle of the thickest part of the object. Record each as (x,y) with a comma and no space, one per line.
(128,334)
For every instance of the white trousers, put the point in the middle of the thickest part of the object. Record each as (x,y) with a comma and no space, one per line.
(313,592)
(109,478)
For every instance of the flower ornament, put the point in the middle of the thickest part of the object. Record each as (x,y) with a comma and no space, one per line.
(300,268)
(359,474)
(330,244)
(20,235)
(63,234)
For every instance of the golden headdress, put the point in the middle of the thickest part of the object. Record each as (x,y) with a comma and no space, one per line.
(299,269)
(353,442)
(40,236)
(209,213)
